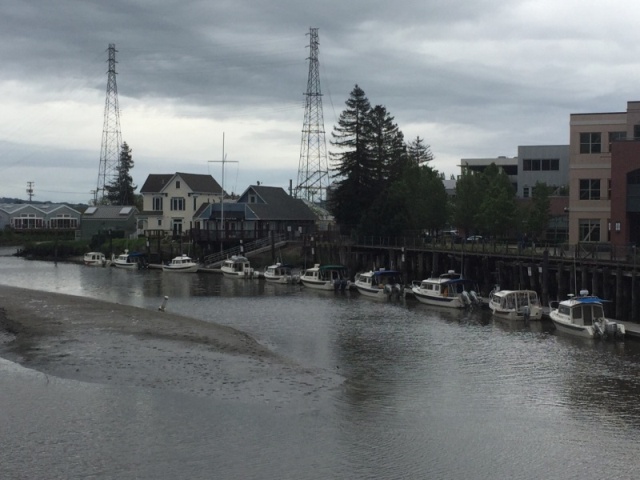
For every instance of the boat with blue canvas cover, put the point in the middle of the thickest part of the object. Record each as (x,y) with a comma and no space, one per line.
(381,284)
(583,315)
(130,260)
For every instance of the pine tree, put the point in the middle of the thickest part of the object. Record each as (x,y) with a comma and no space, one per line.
(121,190)
(354,170)
(387,147)
(419,153)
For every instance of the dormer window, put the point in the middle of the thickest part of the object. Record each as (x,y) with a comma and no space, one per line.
(252,199)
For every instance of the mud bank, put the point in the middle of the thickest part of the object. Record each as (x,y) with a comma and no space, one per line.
(100,342)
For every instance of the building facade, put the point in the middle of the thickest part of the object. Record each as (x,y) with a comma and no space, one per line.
(171,201)
(600,153)
(38,216)
(547,164)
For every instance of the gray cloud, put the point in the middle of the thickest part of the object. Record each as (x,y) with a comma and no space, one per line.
(475,78)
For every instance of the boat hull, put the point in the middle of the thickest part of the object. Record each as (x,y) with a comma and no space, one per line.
(450,302)
(181,269)
(319,284)
(583,331)
(534,314)
(126,266)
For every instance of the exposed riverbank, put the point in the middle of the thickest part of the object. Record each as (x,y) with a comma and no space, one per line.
(101,342)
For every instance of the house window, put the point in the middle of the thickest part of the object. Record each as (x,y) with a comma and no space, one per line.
(64,221)
(252,199)
(636,132)
(26,221)
(590,143)
(157,204)
(589,230)
(159,222)
(589,189)
(537,164)
(177,203)
(525,192)
(178,184)
(615,136)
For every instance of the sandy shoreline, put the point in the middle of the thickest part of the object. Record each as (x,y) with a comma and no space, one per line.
(100,342)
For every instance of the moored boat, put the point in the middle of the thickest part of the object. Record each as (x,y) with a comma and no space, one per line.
(95,259)
(447,290)
(380,284)
(281,273)
(515,304)
(326,277)
(129,260)
(237,266)
(181,263)
(583,315)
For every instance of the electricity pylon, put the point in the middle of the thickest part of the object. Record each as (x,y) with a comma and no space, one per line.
(111,134)
(313,169)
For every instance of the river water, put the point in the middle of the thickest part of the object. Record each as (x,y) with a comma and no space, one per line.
(426,393)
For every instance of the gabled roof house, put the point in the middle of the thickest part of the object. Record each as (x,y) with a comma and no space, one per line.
(117,221)
(258,211)
(170,201)
(38,216)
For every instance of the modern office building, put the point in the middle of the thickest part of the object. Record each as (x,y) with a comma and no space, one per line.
(604,170)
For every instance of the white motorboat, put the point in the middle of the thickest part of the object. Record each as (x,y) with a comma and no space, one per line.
(281,273)
(583,315)
(95,259)
(181,263)
(129,260)
(447,290)
(326,277)
(237,267)
(381,284)
(515,304)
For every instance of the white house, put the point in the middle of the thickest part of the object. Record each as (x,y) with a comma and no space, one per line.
(171,201)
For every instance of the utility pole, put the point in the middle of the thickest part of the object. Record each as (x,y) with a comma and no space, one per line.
(313,169)
(30,186)
(111,134)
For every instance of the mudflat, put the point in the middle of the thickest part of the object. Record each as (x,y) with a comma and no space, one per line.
(101,342)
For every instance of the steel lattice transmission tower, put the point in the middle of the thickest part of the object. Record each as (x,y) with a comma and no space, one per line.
(111,134)
(313,169)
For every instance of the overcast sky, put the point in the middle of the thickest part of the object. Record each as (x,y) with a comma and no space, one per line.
(474,78)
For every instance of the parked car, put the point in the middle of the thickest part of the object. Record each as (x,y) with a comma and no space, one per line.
(475,239)
(451,236)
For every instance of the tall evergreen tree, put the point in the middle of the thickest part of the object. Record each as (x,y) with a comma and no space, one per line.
(387,147)
(121,190)
(355,174)
(419,152)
